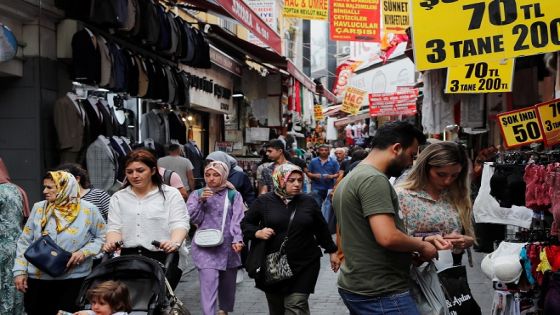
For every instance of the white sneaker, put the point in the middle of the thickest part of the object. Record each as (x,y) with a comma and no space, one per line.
(239,277)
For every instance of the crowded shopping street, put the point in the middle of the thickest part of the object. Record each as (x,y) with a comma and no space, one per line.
(282,157)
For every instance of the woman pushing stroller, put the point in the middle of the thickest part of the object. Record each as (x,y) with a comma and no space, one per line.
(145,210)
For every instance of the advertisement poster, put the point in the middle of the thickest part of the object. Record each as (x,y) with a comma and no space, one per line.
(482,77)
(306,9)
(354,20)
(453,33)
(401,102)
(396,18)
(318,111)
(266,10)
(520,127)
(353,99)
(549,116)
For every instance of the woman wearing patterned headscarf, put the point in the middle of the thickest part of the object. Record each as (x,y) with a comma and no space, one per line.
(217,266)
(76,226)
(268,219)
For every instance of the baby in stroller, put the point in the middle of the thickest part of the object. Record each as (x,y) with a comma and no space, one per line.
(107,298)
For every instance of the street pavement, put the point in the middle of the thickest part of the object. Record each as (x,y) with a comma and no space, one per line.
(326,300)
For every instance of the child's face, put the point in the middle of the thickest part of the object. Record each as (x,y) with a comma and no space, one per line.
(100,307)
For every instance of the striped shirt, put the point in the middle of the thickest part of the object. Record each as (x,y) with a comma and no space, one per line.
(100,199)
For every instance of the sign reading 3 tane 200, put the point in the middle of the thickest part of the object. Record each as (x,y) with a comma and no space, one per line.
(456,32)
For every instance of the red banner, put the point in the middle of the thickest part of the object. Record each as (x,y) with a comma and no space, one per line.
(401,102)
(343,74)
(246,16)
(354,20)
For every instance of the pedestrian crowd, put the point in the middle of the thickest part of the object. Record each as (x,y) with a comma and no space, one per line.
(277,229)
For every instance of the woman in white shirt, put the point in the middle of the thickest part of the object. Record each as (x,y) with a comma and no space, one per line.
(147,210)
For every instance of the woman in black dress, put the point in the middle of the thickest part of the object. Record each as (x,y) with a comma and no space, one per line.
(267,220)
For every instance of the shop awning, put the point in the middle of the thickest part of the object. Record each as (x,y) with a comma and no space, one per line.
(351,119)
(257,53)
(332,110)
(238,10)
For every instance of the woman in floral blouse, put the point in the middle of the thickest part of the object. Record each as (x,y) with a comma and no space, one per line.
(76,226)
(435,197)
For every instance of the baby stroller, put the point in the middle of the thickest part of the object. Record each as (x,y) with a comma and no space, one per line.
(150,292)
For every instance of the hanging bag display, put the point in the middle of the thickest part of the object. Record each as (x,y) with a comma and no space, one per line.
(213,237)
(47,256)
(276,264)
(460,300)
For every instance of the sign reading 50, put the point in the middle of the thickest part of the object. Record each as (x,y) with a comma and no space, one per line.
(453,32)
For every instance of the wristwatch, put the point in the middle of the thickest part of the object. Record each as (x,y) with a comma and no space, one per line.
(178,245)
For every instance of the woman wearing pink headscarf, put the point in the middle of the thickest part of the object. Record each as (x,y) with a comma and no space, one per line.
(13,209)
(217,266)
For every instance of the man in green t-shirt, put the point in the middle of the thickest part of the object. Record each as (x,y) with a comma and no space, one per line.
(374,276)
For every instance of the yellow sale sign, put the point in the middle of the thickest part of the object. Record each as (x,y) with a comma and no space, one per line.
(318,111)
(549,115)
(307,9)
(482,77)
(451,32)
(353,100)
(520,127)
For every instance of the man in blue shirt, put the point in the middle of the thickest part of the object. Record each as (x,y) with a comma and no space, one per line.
(323,171)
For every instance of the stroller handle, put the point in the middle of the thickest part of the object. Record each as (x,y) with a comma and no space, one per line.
(169,258)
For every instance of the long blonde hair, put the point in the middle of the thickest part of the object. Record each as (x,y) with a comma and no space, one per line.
(438,155)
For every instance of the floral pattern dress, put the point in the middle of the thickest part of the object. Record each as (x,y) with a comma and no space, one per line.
(11,215)
(422,214)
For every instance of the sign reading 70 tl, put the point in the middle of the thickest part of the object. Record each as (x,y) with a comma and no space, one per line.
(456,32)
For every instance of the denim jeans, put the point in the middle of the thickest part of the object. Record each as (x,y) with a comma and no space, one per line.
(399,303)
(319,195)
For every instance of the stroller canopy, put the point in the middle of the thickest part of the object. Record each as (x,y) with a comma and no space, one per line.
(143,276)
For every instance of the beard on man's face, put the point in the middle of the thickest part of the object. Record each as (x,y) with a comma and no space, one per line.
(396,167)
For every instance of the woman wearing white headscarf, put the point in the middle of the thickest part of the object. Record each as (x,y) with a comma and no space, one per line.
(236,176)
(217,266)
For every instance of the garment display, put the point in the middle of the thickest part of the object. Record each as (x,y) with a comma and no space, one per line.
(194,154)
(155,125)
(102,163)
(86,58)
(70,121)
(486,209)
(177,128)
(437,107)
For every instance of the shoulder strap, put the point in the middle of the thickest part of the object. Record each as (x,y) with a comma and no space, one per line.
(231,195)
(290,222)
(167,177)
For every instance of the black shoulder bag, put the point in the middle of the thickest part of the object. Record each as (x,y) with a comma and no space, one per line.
(47,256)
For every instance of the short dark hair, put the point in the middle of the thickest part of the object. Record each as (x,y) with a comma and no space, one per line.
(276,144)
(397,132)
(173,147)
(76,170)
(359,155)
(146,157)
(114,293)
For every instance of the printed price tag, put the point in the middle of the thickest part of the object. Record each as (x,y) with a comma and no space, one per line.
(549,115)
(520,127)
(353,100)
(482,77)
(451,32)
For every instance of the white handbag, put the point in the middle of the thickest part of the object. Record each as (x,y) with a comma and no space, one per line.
(212,237)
